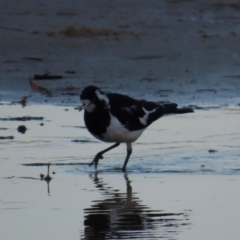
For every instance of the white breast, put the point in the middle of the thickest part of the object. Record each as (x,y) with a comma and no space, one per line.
(116,132)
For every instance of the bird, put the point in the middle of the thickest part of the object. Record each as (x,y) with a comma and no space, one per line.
(117,118)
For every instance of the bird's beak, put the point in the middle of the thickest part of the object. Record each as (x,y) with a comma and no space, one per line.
(83,107)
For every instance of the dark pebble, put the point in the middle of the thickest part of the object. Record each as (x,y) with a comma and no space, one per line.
(212,151)
(22,129)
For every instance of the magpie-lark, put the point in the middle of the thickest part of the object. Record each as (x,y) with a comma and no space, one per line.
(113,117)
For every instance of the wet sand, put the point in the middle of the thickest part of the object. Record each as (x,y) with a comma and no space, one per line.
(181,182)
(182,178)
(181,51)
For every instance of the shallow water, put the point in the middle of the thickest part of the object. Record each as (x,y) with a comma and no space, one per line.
(174,188)
(206,141)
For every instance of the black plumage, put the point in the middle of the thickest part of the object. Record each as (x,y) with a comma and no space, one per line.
(118,118)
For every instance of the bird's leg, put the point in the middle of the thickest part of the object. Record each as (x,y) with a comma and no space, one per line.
(129,152)
(100,154)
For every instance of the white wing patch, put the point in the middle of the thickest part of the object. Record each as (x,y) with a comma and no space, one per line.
(144,119)
(129,109)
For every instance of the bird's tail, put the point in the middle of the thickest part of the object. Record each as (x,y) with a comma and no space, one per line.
(171,108)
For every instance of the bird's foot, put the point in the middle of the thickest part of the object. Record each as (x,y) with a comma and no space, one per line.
(96,159)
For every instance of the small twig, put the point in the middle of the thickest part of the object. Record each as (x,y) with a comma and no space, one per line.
(14,29)
(47,76)
(32,58)
(47,178)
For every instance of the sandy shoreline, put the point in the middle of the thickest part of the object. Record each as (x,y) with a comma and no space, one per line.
(180,51)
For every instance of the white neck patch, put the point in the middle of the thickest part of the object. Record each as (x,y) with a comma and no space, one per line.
(102,97)
(89,106)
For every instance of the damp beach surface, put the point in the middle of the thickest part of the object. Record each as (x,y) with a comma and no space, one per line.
(182,180)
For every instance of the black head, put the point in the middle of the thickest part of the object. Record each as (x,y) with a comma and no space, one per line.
(89,93)
(92,97)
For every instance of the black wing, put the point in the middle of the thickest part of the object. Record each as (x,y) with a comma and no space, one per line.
(134,114)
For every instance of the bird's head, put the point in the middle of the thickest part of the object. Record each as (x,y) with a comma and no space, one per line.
(91,97)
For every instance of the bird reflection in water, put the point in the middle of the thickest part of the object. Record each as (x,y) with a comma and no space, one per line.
(123,216)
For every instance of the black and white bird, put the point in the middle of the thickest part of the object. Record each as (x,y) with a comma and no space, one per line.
(117,118)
